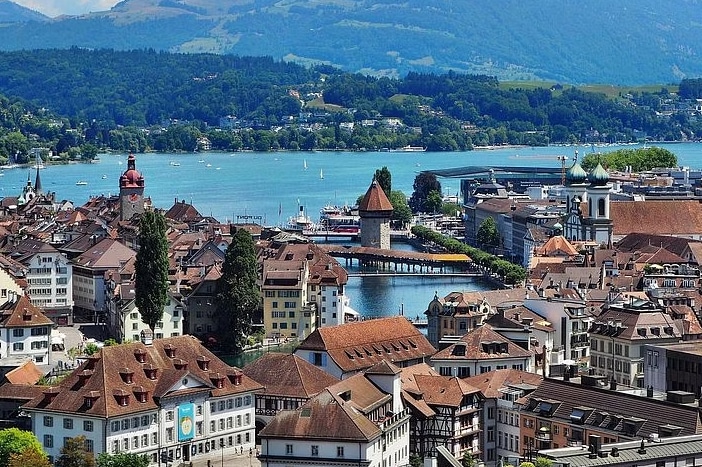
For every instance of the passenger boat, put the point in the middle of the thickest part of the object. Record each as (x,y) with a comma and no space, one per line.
(339,219)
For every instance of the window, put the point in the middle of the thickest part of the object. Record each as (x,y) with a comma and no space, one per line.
(114,426)
(125,424)
(87,425)
(288,449)
(68,423)
(89,445)
(339,451)
(18,332)
(144,440)
(169,434)
(169,416)
(48,441)
(48,421)
(18,346)
(315,450)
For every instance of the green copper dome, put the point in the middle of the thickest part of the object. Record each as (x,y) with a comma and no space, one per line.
(598,176)
(575,174)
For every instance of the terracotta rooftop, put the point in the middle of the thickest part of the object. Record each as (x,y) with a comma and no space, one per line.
(156,369)
(375,200)
(20,312)
(491,382)
(679,217)
(288,375)
(482,343)
(359,345)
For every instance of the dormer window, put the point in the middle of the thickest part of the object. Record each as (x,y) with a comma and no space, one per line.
(140,355)
(92,360)
(170,350)
(180,364)
(26,315)
(203,362)
(122,397)
(50,394)
(90,398)
(127,375)
(150,371)
(217,380)
(235,377)
(140,394)
(83,376)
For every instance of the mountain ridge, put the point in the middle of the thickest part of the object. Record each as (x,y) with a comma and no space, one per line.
(627,42)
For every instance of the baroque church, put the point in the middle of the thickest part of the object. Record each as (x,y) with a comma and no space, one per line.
(588,205)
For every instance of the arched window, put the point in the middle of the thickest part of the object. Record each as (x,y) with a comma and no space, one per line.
(601,207)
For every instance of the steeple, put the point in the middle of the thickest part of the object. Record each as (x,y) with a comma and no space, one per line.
(37,180)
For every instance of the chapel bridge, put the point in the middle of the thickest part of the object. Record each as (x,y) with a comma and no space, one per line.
(392,262)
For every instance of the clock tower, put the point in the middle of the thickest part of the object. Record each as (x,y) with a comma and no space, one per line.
(131,191)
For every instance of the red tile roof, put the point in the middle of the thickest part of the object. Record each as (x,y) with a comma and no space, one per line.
(288,375)
(375,200)
(359,345)
(21,313)
(679,217)
(491,382)
(101,378)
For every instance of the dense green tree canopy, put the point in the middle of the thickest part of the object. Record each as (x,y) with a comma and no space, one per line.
(488,235)
(237,295)
(16,441)
(29,458)
(401,212)
(384,179)
(638,159)
(151,268)
(424,184)
(122,459)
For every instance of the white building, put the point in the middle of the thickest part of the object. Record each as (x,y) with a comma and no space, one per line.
(169,397)
(25,331)
(358,421)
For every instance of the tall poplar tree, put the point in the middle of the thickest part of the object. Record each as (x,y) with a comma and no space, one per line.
(151,268)
(237,296)
(384,179)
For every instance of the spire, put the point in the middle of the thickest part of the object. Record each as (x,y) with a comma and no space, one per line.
(37,182)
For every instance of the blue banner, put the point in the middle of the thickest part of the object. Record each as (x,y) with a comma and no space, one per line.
(186,422)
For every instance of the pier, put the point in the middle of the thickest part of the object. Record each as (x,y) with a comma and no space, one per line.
(396,262)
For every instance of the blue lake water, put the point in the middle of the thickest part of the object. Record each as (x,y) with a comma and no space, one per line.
(271,185)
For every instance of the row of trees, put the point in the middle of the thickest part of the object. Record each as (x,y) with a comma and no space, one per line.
(237,297)
(510,273)
(20,448)
(637,159)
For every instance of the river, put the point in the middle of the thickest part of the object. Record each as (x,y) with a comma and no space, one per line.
(271,185)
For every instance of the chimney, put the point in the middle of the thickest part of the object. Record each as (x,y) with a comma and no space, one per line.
(147,337)
(649,391)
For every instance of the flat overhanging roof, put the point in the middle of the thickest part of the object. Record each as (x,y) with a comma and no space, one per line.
(499,171)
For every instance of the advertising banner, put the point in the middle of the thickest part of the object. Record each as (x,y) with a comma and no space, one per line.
(186,422)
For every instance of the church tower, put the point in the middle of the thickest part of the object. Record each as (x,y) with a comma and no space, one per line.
(131,191)
(375,211)
(598,224)
(575,191)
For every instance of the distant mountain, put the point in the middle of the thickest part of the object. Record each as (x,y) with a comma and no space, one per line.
(593,41)
(11,12)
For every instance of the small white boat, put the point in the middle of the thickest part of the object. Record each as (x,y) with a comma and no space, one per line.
(81,183)
(208,165)
(321,174)
(175,164)
(104,177)
(304,164)
(201,161)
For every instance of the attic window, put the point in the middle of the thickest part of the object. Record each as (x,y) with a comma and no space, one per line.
(140,355)
(349,355)
(217,379)
(141,394)
(150,371)
(170,350)
(235,378)
(203,362)
(180,364)
(545,408)
(90,398)
(122,397)
(414,346)
(459,350)
(358,353)
(127,375)
(641,332)
(656,331)
(26,315)
(50,394)
(578,415)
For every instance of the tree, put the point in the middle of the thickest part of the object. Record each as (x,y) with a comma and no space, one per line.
(16,441)
(401,212)
(237,293)
(542,461)
(28,458)
(384,179)
(151,268)
(424,183)
(122,459)
(433,202)
(488,235)
(75,454)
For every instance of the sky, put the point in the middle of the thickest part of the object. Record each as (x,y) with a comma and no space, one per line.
(54,8)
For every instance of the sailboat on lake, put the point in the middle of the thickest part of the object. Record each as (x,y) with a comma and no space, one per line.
(321,174)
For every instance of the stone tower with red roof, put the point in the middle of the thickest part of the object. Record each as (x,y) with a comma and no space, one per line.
(131,191)
(375,211)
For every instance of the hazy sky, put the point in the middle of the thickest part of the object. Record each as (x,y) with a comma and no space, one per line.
(67,7)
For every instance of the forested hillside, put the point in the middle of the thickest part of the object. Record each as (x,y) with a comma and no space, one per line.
(597,41)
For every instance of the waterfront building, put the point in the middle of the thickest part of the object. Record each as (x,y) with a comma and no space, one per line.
(352,347)
(361,420)
(502,390)
(375,211)
(457,313)
(446,412)
(289,382)
(25,332)
(49,277)
(131,191)
(481,350)
(167,397)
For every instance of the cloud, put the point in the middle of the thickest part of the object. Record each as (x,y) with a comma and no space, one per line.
(67,7)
